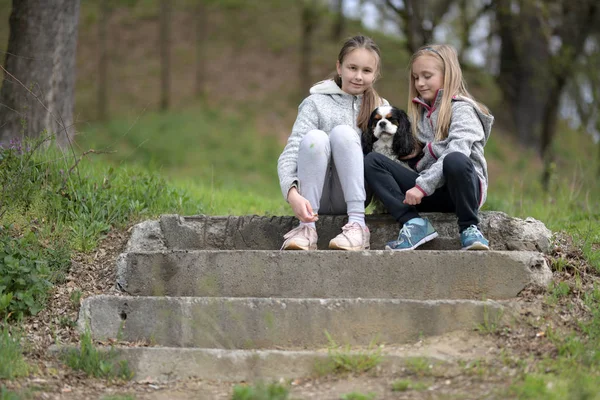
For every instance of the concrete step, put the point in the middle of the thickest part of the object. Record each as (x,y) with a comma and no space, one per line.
(262,323)
(421,275)
(266,233)
(169,363)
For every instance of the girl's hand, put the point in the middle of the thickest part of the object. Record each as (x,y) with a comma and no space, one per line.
(413,197)
(301,207)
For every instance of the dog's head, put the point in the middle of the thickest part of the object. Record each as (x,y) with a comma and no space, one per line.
(392,126)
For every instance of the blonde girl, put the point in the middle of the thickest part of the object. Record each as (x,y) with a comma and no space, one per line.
(451,176)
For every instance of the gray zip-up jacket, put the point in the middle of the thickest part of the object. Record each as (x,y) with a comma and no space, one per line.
(468,133)
(327,107)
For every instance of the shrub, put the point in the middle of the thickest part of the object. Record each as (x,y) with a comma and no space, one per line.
(24,275)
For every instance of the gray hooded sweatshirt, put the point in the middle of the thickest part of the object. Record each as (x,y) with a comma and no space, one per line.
(468,133)
(327,107)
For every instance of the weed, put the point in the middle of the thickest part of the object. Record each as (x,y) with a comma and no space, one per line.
(260,391)
(67,322)
(559,264)
(24,277)
(12,363)
(491,321)
(6,394)
(557,291)
(419,366)
(343,360)
(357,396)
(119,397)
(75,298)
(403,385)
(96,363)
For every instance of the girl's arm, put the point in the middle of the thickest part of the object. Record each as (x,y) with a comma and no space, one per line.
(287,165)
(465,129)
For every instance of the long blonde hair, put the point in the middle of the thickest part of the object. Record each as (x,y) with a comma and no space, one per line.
(453,85)
(371,98)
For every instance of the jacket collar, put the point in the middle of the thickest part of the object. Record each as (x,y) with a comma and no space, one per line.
(436,102)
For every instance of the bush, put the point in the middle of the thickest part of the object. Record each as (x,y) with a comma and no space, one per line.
(24,275)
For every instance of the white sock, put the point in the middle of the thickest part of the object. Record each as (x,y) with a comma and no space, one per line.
(358,218)
(309,224)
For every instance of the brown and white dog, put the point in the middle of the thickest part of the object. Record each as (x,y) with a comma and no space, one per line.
(389,133)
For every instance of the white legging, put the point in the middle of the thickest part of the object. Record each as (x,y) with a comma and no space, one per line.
(332,187)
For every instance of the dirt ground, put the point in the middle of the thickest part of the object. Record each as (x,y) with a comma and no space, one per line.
(484,363)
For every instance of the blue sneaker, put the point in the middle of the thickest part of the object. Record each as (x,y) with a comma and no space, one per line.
(472,239)
(414,233)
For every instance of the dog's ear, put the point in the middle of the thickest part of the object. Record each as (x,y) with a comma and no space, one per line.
(368,138)
(404,126)
(403,142)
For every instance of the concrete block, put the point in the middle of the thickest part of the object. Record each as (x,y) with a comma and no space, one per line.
(263,323)
(418,275)
(165,364)
(266,233)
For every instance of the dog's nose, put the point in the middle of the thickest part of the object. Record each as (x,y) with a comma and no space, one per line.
(382,123)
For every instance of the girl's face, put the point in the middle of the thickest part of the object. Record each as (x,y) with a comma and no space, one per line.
(427,76)
(358,71)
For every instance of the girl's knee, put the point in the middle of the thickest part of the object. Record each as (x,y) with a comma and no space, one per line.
(372,159)
(314,140)
(456,163)
(343,134)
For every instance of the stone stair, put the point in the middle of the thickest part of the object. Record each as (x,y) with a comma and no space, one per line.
(215,298)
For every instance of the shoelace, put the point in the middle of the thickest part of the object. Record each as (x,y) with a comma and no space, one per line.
(405,232)
(472,230)
(300,229)
(351,227)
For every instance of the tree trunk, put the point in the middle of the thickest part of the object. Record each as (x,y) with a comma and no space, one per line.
(103,60)
(39,83)
(165,59)
(339,23)
(524,60)
(309,21)
(201,38)
(549,129)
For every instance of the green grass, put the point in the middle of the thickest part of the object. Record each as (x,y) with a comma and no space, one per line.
(260,391)
(94,362)
(12,363)
(403,385)
(119,397)
(358,396)
(342,360)
(6,394)
(209,149)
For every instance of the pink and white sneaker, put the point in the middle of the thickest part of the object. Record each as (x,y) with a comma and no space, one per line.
(353,238)
(302,237)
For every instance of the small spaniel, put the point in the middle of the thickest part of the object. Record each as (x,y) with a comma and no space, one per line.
(390,134)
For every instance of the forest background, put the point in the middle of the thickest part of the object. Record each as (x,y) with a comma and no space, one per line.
(184,106)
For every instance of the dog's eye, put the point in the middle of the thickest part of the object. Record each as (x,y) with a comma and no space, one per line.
(377,116)
(389,116)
